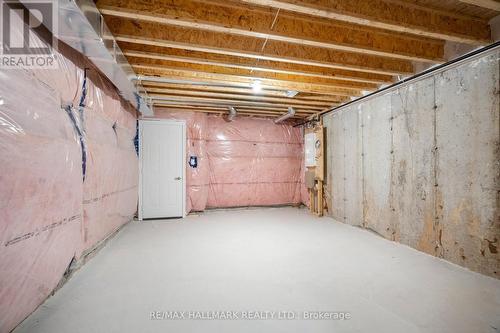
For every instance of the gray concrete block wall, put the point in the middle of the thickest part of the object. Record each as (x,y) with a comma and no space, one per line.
(377,145)
(335,155)
(413,165)
(353,186)
(420,164)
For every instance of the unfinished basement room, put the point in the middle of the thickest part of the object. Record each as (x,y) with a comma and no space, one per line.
(254,166)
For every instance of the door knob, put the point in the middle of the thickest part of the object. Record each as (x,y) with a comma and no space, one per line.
(177,178)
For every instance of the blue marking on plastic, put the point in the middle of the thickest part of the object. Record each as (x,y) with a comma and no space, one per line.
(84,89)
(80,138)
(138,101)
(136,138)
(79,126)
(193,161)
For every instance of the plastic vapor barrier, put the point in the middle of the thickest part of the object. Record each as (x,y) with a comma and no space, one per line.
(68,175)
(246,162)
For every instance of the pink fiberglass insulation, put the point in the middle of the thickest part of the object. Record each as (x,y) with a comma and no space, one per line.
(246,162)
(52,215)
(111,180)
(253,162)
(41,196)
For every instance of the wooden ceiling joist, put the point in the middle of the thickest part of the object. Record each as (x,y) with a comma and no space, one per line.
(152,86)
(204,58)
(176,65)
(393,15)
(224,109)
(267,23)
(242,99)
(200,105)
(206,55)
(490,4)
(250,112)
(155,34)
(233,102)
(315,97)
(242,81)
(253,97)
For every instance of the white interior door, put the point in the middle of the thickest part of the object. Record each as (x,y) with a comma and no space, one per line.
(162,168)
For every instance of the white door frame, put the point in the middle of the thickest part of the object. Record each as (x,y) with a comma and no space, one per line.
(172,121)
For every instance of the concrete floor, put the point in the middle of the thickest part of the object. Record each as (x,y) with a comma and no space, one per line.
(280,259)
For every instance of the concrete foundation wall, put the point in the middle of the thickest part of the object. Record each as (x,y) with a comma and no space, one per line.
(420,164)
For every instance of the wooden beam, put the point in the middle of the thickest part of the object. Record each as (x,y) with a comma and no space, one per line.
(221,111)
(200,108)
(195,105)
(489,4)
(201,103)
(240,80)
(147,86)
(303,113)
(316,97)
(230,102)
(255,97)
(204,58)
(148,33)
(333,83)
(156,77)
(392,15)
(259,22)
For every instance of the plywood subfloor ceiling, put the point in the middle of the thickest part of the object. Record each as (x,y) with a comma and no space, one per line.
(309,54)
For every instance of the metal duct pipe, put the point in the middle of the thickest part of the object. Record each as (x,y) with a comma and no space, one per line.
(289,114)
(232,114)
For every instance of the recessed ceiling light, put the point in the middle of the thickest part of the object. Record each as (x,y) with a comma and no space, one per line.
(257,86)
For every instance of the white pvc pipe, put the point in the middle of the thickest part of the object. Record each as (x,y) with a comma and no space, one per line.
(232,114)
(289,114)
